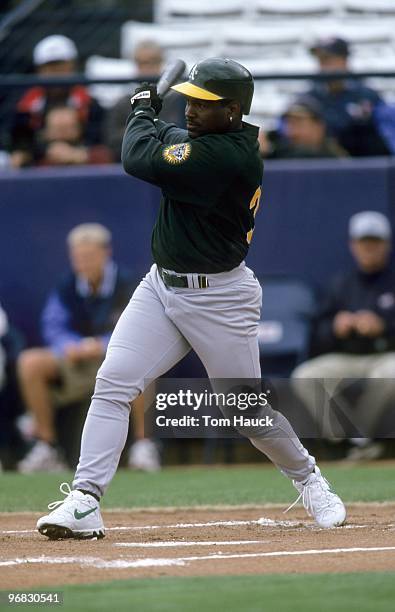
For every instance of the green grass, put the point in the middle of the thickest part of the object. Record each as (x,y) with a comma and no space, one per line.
(289,593)
(219,485)
(199,486)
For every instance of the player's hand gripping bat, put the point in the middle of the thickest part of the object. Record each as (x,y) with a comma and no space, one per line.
(148,94)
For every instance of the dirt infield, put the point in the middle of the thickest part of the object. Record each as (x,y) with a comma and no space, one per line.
(196,542)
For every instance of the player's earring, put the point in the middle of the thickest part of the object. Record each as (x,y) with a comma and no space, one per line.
(231,118)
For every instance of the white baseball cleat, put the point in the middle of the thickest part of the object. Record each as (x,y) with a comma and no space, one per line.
(77,516)
(320,502)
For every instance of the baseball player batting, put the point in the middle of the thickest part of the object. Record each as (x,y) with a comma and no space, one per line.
(198,294)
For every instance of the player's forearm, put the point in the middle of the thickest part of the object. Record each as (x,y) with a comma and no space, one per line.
(139,145)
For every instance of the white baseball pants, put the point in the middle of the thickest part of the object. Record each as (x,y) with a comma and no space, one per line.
(156,330)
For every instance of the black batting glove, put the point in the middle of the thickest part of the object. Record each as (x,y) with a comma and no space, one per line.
(146,95)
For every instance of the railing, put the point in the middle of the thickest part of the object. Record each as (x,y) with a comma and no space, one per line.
(22,81)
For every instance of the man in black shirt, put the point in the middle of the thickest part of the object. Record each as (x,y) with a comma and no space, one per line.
(198,294)
(354,334)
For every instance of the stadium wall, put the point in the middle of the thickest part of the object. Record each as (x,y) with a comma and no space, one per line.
(301,227)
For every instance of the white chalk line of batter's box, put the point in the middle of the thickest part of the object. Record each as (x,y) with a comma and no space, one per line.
(175,543)
(98,563)
(264,522)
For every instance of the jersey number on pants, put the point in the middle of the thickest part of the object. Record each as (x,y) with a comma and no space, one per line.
(254,205)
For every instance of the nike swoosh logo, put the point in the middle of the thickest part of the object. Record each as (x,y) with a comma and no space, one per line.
(81,515)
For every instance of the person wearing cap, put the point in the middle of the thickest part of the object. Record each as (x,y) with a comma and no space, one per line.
(76,325)
(198,294)
(53,56)
(149,60)
(303,134)
(349,106)
(354,334)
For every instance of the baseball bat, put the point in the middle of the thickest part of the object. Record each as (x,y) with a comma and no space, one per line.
(169,77)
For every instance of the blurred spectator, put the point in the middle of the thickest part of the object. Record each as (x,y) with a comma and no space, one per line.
(54,56)
(149,60)
(355,333)
(3,331)
(385,118)
(77,322)
(61,141)
(303,134)
(11,343)
(349,106)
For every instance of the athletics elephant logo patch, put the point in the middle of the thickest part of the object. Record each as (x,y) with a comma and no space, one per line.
(178,153)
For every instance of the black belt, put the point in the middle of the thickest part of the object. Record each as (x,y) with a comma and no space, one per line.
(181,281)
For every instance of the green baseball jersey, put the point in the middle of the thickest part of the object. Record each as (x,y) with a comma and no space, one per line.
(211,187)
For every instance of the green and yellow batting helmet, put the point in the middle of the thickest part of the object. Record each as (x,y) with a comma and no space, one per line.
(219,79)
